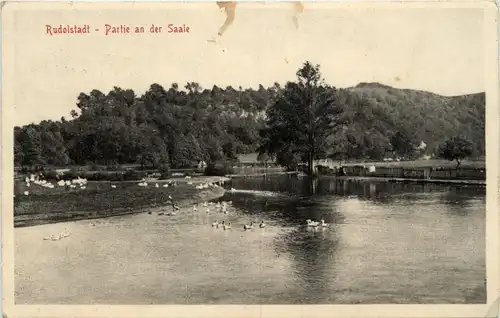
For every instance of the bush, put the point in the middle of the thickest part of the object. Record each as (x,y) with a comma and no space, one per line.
(132,175)
(164,171)
(325,170)
(219,169)
(95,167)
(52,175)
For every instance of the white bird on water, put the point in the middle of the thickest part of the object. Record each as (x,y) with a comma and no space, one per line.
(248,226)
(312,223)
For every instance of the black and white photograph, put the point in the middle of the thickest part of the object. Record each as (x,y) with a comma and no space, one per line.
(249,153)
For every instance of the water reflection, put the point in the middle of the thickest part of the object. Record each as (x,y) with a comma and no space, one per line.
(313,252)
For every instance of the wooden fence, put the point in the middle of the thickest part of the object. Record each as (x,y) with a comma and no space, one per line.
(415,173)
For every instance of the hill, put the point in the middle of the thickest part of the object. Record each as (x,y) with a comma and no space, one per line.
(430,117)
(176,128)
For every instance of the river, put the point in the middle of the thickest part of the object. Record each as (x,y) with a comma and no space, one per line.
(387,243)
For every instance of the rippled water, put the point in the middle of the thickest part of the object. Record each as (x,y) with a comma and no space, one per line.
(387,243)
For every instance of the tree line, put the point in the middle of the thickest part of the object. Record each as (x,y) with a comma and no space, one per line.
(304,120)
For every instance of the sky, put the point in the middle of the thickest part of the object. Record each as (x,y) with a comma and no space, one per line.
(433,49)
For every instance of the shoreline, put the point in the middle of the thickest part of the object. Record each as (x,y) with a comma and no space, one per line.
(263,174)
(28,220)
(412,180)
(359,178)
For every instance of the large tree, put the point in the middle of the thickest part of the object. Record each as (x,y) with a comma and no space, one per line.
(456,149)
(301,122)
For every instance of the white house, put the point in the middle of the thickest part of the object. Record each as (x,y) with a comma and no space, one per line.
(202,164)
(327,162)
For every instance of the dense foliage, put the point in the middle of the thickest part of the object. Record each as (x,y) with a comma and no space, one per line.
(302,124)
(456,149)
(311,120)
(177,128)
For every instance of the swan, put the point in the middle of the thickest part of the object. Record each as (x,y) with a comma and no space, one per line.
(165,185)
(323,224)
(262,224)
(248,227)
(26,193)
(312,223)
(157,185)
(215,224)
(113,186)
(226,226)
(52,237)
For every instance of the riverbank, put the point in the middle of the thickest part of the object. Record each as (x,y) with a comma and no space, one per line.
(103,199)
(436,181)
(264,174)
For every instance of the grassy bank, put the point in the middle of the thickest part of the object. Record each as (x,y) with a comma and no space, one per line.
(100,199)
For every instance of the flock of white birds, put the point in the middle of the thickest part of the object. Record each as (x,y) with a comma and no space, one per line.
(61,183)
(81,183)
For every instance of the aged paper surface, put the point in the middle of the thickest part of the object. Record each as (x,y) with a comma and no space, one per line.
(155,162)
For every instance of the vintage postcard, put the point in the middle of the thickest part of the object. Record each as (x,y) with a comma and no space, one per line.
(250,159)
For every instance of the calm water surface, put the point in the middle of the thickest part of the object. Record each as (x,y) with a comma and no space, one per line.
(387,243)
